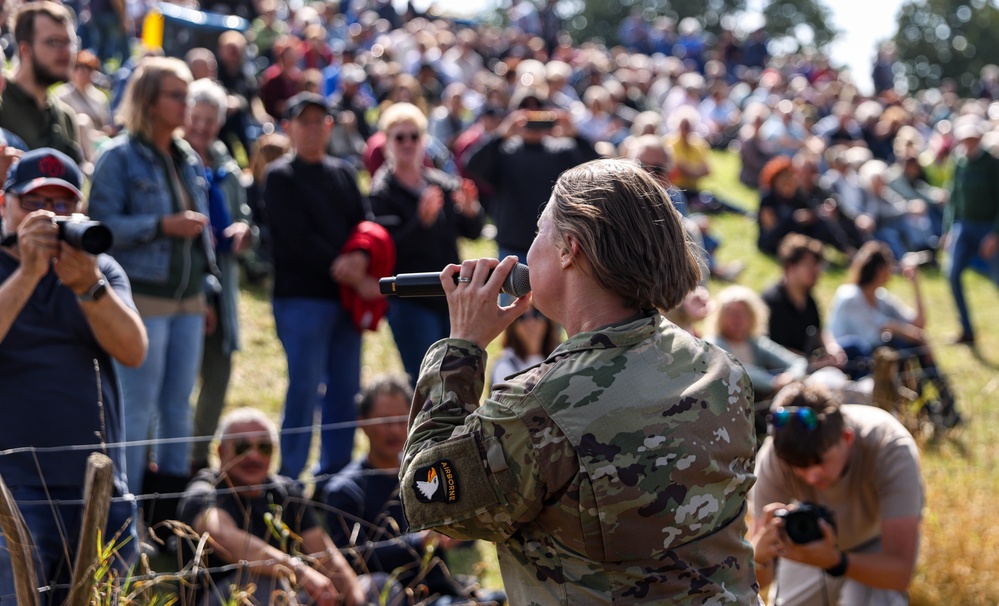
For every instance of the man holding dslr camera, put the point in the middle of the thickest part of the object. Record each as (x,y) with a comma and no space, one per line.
(64,315)
(837,502)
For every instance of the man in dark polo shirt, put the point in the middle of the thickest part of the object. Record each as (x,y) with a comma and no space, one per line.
(46,48)
(64,315)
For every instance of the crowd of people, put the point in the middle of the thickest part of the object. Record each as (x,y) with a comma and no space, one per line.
(330,145)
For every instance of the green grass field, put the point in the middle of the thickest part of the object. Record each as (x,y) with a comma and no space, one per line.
(959,554)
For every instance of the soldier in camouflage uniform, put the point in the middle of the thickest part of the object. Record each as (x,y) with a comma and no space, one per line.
(616,471)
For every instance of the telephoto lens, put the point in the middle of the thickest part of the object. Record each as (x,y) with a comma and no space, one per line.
(85,234)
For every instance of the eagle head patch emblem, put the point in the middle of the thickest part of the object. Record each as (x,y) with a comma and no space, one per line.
(437,482)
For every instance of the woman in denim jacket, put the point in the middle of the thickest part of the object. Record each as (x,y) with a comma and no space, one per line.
(149,187)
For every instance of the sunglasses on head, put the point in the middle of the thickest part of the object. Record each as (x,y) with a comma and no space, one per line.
(264,448)
(805,417)
(402,137)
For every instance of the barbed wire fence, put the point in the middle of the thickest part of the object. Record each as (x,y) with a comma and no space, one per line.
(892,375)
(97,498)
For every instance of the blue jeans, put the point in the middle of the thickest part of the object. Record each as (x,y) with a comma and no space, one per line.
(55,530)
(896,234)
(965,240)
(107,37)
(322,347)
(415,328)
(161,389)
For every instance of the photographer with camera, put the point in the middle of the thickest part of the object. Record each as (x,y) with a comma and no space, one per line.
(64,315)
(521,161)
(837,502)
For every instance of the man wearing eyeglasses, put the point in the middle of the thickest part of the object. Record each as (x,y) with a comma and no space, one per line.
(64,315)
(263,520)
(860,463)
(46,48)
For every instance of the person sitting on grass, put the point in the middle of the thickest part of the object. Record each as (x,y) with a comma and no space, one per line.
(263,522)
(864,316)
(740,319)
(794,316)
(739,327)
(362,507)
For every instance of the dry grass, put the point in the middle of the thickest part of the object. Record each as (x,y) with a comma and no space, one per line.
(959,555)
(959,550)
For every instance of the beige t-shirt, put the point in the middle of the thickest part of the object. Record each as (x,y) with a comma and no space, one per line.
(881,479)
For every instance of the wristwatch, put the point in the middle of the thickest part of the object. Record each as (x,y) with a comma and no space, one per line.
(96,291)
(840,568)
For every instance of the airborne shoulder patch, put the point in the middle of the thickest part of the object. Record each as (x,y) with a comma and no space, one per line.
(437,482)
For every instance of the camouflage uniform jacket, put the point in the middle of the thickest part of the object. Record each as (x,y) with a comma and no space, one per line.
(615,472)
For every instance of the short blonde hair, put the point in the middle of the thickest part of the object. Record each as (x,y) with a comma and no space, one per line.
(400,113)
(736,294)
(143,90)
(628,231)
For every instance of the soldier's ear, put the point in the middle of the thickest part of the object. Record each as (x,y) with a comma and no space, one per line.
(571,252)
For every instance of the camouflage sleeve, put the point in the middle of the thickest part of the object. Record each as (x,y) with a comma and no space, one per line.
(467,471)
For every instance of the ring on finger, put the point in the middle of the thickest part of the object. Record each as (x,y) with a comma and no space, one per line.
(464,280)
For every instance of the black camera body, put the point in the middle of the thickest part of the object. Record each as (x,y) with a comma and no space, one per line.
(802,523)
(81,232)
(541,120)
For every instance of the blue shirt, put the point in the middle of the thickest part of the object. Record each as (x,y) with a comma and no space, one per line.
(58,387)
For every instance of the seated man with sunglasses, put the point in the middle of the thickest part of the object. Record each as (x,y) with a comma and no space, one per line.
(263,521)
(861,464)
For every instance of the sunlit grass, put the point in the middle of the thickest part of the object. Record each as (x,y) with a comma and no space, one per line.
(959,552)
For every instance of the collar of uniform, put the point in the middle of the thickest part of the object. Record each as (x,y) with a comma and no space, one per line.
(621,334)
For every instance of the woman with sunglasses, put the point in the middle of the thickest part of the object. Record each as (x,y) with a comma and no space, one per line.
(149,187)
(426,211)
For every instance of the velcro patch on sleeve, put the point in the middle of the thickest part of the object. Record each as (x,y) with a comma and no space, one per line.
(447,483)
(437,482)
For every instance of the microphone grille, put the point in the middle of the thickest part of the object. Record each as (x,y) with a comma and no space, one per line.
(518,282)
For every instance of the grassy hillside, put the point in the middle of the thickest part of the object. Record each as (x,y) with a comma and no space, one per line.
(959,555)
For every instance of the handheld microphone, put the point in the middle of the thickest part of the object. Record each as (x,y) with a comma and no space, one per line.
(428,284)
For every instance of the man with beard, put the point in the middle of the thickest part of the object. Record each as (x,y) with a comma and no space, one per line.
(46,47)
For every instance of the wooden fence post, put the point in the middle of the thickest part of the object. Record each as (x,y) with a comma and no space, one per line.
(97,489)
(19,544)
